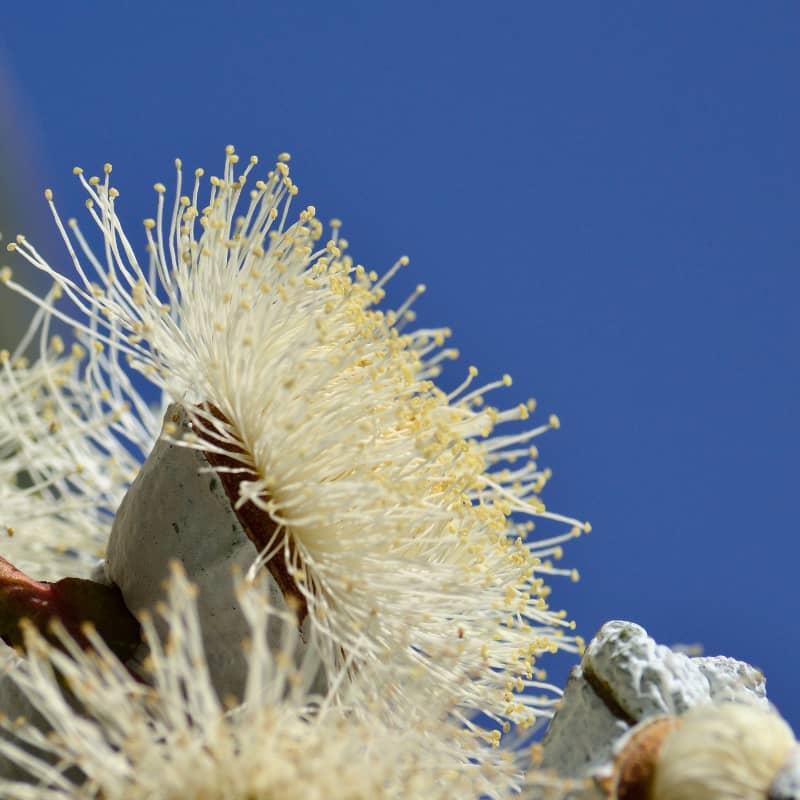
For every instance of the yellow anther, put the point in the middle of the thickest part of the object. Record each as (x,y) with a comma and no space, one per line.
(107,168)
(284,157)
(77,171)
(229,149)
(555,422)
(48,195)
(6,273)
(160,188)
(149,223)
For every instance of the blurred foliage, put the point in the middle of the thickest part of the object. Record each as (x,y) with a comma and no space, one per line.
(20,211)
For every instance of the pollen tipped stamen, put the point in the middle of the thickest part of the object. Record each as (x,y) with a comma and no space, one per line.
(368,490)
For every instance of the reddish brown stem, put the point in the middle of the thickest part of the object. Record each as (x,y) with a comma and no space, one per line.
(72,601)
(258,525)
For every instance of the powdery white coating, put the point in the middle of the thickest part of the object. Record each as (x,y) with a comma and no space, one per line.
(731,751)
(177,509)
(730,679)
(174,740)
(786,785)
(648,679)
(626,677)
(582,733)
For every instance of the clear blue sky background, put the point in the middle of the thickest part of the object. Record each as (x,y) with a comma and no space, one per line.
(603,199)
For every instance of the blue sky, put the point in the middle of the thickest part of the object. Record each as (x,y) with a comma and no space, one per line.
(603,201)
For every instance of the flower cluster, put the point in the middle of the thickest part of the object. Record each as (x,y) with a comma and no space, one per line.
(64,463)
(391,517)
(170,736)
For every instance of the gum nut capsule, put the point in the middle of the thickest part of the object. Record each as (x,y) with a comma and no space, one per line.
(636,757)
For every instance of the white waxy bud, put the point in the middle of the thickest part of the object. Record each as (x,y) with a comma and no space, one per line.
(625,677)
(177,508)
(646,679)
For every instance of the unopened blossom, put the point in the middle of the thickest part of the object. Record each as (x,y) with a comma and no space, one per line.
(165,734)
(390,509)
(729,751)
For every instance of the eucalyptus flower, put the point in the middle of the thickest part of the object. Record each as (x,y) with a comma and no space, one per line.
(164,734)
(385,508)
(66,452)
